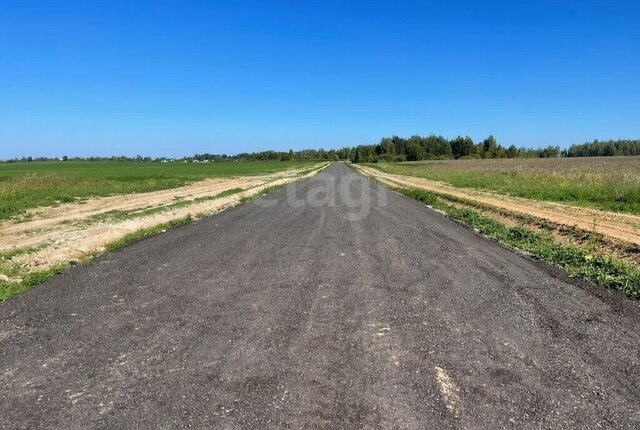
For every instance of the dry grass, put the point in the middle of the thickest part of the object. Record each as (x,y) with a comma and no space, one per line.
(609,183)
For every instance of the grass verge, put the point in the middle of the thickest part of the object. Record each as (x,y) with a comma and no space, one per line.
(118,215)
(264,192)
(605,183)
(25,186)
(147,232)
(602,270)
(28,280)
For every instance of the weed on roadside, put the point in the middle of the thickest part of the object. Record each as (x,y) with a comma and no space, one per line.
(583,261)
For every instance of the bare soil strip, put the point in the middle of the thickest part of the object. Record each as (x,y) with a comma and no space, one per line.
(69,232)
(622,227)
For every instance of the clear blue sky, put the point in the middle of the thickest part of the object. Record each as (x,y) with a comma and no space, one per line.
(177,77)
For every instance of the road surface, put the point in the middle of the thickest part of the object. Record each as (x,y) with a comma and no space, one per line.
(347,306)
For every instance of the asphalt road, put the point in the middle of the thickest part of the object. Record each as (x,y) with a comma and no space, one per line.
(278,314)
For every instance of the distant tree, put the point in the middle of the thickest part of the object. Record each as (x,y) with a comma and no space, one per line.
(414,140)
(415,152)
(462,147)
(436,146)
(65,158)
(608,150)
(387,147)
(285,156)
(489,148)
(364,154)
(550,152)
(444,148)
(400,144)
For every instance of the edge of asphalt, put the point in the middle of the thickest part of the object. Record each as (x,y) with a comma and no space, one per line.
(149,232)
(618,302)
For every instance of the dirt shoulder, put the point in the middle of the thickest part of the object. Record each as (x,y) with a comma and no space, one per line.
(69,232)
(617,226)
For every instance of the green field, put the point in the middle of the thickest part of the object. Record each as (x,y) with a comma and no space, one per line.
(27,185)
(609,183)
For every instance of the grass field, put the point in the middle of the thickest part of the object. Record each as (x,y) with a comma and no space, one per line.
(609,183)
(27,185)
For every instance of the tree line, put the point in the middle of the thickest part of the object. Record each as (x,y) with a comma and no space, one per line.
(390,149)
(138,158)
(605,148)
(432,147)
